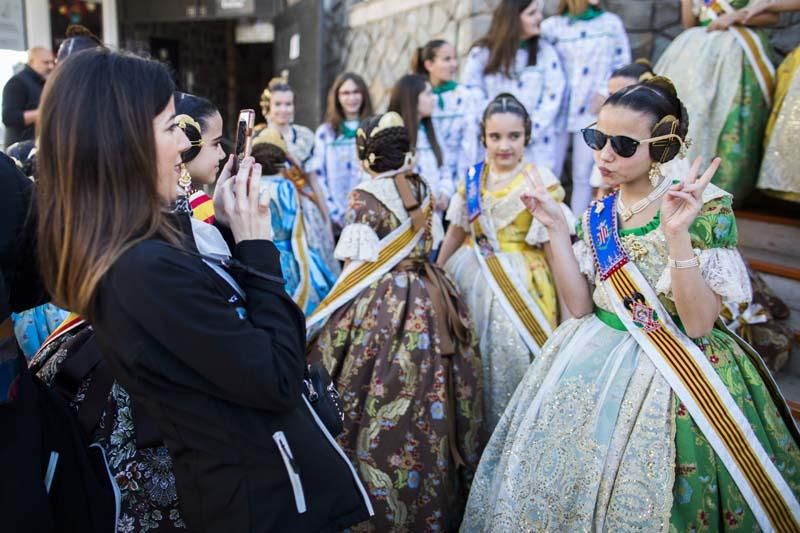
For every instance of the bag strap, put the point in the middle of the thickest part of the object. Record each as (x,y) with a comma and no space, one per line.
(410,201)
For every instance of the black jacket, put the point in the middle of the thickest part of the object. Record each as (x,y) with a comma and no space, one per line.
(21,93)
(224,390)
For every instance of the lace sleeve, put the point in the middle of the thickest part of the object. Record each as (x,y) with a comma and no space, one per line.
(358,242)
(537,234)
(724,271)
(457,211)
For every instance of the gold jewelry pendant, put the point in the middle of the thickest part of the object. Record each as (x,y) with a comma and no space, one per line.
(655,174)
(186,179)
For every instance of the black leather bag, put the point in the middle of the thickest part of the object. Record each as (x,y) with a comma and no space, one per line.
(323,398)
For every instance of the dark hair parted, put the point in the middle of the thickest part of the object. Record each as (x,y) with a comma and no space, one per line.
(425,53)
(384,150)
(659,98)
(504,36)
(200,109)
(506,103)
(275,85)
(78,38)
(640,70)
(97,193)
(334,114)
(271,158)
(404,101)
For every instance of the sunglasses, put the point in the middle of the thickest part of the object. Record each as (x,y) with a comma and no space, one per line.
(622,145)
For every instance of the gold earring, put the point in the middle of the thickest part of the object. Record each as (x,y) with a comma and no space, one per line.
(655,174)
(185,180)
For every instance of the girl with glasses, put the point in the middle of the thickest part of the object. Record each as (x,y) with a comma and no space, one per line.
(643,412)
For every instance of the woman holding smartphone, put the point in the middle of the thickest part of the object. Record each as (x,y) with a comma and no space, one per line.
(215,354)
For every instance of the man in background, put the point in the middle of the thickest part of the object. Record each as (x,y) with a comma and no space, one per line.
(21,95)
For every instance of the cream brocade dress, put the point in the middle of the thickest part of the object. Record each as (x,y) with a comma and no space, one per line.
(504,356)
(595,440)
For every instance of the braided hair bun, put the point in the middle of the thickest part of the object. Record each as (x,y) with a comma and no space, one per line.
(383,143)
(658,97)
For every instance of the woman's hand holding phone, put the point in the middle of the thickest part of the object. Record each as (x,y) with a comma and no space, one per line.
(245,205)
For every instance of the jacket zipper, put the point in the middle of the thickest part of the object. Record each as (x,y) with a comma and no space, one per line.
(292,470)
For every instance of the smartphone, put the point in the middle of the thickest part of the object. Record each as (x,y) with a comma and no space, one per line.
(244,136)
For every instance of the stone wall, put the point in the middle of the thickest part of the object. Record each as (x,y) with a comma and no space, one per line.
(380,47)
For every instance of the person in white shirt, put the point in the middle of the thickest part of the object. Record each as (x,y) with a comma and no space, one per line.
(335,160)
(591,44)
(511,58)
(454,113)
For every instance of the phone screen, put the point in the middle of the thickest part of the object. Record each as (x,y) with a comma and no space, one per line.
(244,132)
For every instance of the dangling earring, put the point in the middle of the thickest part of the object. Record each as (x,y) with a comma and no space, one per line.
(185,181)
(655,174)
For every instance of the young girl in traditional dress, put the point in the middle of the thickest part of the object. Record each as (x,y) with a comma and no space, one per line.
(506,240)
(723,72)
(511,58)
(454,116)
(277,106)
(308,279)
(592,44)
(642,413)
(335,161)
(399,346)
(413,99)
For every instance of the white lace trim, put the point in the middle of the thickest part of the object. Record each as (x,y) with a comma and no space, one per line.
(585,259)
(457,212)
(358,242)
(724,271)
(385,191)
(437,230)
(538,234)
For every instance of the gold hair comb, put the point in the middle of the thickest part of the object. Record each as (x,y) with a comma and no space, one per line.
(185,120)
(388,120)
(273,137)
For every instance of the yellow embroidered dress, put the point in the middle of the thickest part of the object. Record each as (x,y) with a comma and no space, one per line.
(504,355)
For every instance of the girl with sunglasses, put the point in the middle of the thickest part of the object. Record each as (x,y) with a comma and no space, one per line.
(644,412)
(511,58)
(508,233)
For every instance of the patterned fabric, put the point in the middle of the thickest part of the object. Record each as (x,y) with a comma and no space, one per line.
(590,50)
(539,87)
(283,209)
(336,163)
(33,326)
(457,133)
(383,350)
(144,476)
(594,439)
(504,356)
(779,175)
(727,110)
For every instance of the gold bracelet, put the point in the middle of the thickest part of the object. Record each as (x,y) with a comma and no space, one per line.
(688,263)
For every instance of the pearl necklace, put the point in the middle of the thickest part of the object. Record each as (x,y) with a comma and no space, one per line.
(642,204)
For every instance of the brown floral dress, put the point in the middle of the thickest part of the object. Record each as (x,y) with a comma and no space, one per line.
(413,413)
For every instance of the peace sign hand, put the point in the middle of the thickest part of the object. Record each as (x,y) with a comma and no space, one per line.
(541,204)
(684,200)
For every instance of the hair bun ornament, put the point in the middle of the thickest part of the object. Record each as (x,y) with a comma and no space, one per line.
(389,120)
(646,76)
(663,83)
(671,145)
(644,62)
(184,121)
(273,137)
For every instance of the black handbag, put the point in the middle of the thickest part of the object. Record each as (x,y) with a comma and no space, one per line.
(324,398)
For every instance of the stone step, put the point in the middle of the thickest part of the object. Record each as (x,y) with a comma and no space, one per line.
(777,235)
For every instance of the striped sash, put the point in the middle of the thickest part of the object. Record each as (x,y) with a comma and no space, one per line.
(690,375)
(359,275)
(753,49)
(526,316)
(302,256)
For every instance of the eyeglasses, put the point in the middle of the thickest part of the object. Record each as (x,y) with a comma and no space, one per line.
(622,145)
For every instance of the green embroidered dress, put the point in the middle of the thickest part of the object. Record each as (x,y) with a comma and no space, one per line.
(594,438)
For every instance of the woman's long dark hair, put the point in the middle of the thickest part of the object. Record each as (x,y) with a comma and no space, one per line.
(334,115)
(97,192)
(504,36)
(404,101)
